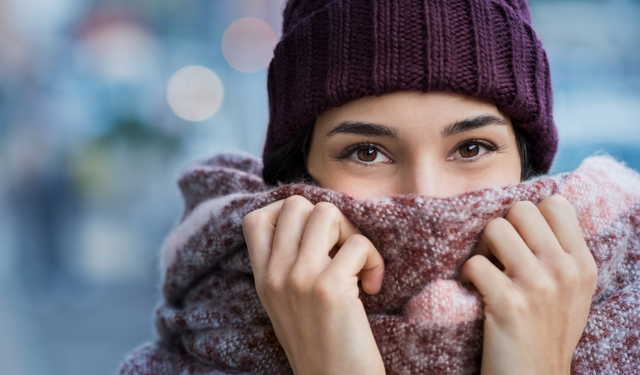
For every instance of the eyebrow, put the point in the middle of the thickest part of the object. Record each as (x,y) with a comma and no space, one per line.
(378,130)
(364,128)
(472,123)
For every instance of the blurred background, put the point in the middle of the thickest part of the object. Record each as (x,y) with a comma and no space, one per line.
(103,101)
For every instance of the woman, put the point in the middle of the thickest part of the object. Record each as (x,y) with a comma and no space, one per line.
(409,142)
(414,100)
(434,144)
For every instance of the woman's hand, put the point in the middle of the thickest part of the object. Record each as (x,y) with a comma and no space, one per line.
(311,298)
(537,307)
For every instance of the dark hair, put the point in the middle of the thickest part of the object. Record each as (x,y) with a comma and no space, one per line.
(288,164)
(527,171)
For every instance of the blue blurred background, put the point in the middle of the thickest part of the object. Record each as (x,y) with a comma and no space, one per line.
(101,105)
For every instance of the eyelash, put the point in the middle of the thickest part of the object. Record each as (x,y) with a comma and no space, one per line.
(350,150)
(491,147)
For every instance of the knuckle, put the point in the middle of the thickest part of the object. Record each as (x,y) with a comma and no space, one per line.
(359,241)
(296,201)
(591,273)
(323,291)
(296,283)
(496,226)
(570,277)
(474,263)
(272,285)
(513,303)
(326,208)
(557,200)
(519,210)
(519,305)
(523,206)
(252,219)
(558,205)
(545,287)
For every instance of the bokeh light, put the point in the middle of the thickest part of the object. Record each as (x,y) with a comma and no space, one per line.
(248,44)
(120,51)
(195,93)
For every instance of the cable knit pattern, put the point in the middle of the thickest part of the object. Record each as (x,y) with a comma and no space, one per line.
(335,51)
(211,320)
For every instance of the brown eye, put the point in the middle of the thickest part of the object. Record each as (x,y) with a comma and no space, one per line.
(367,154)
(469,150)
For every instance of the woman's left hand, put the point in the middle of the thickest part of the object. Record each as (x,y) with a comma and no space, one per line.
(536,308)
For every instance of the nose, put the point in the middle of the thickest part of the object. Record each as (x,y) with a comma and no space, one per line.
(423,179)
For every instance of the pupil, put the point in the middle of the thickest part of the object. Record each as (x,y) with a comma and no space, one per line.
(367,154)
(469,151)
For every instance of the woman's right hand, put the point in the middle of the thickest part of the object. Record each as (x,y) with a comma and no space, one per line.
(310,294)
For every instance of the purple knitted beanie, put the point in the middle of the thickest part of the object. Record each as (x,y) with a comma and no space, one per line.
(335,51)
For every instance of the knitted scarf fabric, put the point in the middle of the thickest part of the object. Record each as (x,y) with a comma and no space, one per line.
(211,321)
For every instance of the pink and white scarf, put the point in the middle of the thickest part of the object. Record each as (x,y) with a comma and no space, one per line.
(211,321)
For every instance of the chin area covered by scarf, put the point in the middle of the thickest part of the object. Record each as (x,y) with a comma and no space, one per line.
(210,320)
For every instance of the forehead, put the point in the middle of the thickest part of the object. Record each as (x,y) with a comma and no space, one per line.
(406,110)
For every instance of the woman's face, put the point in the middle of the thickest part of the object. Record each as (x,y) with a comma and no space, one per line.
(435,144)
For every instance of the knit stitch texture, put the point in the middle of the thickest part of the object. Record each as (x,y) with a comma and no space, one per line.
(335,51)
(211,321)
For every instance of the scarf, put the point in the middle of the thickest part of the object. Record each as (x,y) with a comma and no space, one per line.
(210,320)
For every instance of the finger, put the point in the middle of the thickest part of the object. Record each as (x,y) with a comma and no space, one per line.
(503,241)
(482,248)
(563,221)
(259,229)
(357,258)
(327,228)
(485,276)
(288,233)
(531,225)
